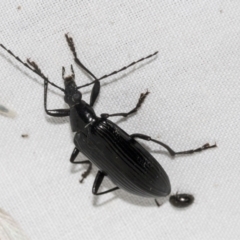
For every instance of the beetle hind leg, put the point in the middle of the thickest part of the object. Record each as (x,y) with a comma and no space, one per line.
(97,183)
(171,151)
(73,157)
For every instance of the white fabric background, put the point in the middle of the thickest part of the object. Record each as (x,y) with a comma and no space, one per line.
(195,99)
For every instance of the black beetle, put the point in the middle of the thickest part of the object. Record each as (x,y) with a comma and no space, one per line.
(181,200)
(116,154)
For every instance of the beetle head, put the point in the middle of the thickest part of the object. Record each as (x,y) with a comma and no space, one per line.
(72,95)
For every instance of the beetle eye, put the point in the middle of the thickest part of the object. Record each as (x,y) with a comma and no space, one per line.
(76,97)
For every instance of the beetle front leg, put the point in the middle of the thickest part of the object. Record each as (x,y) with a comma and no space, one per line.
(97,183)
(77,61)
(171,151)
(95,92)
(37,70)
(96,87)
(140,101)
(54,112)
(73,157)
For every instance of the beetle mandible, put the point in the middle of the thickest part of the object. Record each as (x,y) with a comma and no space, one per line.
(116,153)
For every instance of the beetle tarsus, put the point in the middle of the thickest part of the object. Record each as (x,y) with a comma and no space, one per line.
(204,147)
(74,156)
(87,172)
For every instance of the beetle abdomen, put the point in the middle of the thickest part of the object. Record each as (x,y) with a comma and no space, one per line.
(129,165)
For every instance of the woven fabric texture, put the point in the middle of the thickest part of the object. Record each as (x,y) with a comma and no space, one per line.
(194,86)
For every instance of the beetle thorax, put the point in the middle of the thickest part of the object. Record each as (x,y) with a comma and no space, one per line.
(81,115)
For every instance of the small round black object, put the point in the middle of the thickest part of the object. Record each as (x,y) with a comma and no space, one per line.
(181,200)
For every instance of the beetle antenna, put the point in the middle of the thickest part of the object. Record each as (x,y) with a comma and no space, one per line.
(120,70)
(35,68)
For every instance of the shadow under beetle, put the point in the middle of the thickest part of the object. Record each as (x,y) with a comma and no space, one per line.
(116,153)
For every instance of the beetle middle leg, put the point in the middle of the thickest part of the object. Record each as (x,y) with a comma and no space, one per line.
(140,102)
(73,157)
(171,151)
(97,183)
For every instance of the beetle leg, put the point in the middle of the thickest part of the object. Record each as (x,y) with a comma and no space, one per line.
(54,112)
(97,182)
(77,61)
(140,101)
(34,67)
(96,87)
(172,152)
(157,203)
(95,92)
(73,157)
